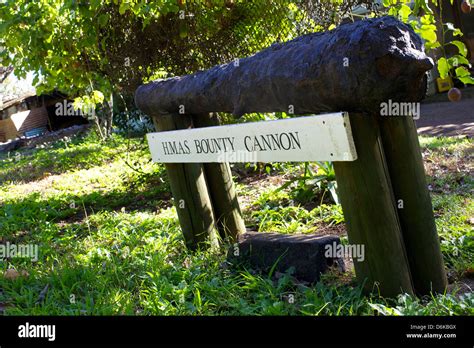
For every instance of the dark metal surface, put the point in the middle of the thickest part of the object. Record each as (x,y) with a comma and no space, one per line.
(354,67)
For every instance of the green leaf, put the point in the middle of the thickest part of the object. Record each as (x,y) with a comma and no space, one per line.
(464,76)
(429,35)
(388,3)
(404,12)
(427,19)
(183,31)
(97,97)
(393,11)
(49,39)
(427,31)
(433,45)
(457,60)
(443,67)
(384,310)
(103,19)
(468,80)
(462,72)
(124,6)
(461,47)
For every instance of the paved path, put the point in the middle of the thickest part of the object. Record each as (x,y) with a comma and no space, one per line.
(447,118)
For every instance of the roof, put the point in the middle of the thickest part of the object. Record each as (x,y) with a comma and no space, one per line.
(17,100)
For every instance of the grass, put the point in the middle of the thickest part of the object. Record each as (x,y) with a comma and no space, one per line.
(110,242)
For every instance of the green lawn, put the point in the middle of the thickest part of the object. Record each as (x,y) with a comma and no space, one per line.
(110,242)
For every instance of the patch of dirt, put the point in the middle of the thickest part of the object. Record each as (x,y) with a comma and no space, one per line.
(454,168)
(461,287)
(332,230)
(255,179)
(256,184)
(4,306)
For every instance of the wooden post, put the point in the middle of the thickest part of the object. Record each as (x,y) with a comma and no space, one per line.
(189,189)
(221,189)
(366,196)
(405,165)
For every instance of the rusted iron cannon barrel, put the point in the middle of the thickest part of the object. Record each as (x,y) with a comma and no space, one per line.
(354,67)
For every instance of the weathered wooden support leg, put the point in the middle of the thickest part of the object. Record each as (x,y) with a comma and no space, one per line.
(189,189)
(367,200)
(221,189)
(415,211)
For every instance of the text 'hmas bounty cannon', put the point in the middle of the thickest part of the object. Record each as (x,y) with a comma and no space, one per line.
(354,68)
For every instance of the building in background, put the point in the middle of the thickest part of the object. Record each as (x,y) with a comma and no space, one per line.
(30,115)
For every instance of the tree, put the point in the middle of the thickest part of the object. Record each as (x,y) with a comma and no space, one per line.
(95,49)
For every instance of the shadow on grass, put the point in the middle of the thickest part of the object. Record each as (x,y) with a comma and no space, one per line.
(32,213)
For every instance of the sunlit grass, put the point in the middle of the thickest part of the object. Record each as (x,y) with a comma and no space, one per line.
(110,242)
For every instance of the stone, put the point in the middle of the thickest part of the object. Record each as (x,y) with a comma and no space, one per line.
(304,252)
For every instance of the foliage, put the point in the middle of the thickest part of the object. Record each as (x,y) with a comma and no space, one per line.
(133,122)
(306,186)
(425,16)
(84,47)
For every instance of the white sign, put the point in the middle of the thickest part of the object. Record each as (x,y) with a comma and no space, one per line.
(325,137)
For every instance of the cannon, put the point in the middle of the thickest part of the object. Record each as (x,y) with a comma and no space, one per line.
(355,68)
